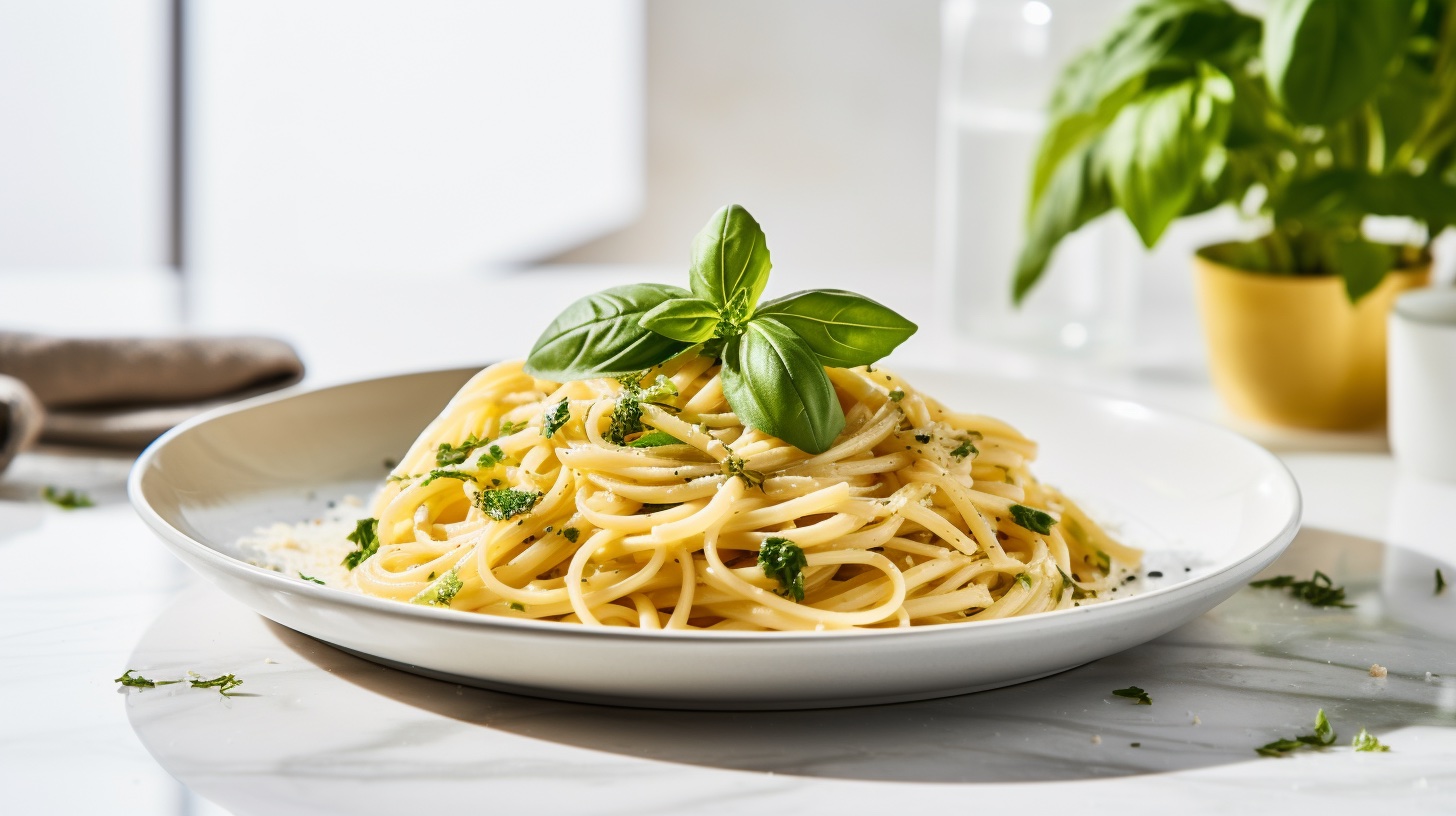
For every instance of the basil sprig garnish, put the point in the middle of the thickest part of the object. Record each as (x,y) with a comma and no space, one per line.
(773,355)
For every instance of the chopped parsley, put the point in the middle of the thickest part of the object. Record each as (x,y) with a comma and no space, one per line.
(516,605)
(923,437)
(1440,582)
(223,683)
(1134,693)
(897,395)
(627,416)
(137,681)
(1323,737)
(783,561)
(964,449)
(1023,579)
(506,502)
(733,466)
(1032,519)
(1068,582)
(1366,741)
(441,592)
(69,500)
(1317,591)
(507,427)
(447,474)
(654,439)
(559,415)
(366,538)
(309,578)
(448,454)
(403,477)
(570,534)
(492,457)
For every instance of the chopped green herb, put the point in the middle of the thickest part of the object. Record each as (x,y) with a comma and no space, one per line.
(441,592)
(1023,579)
(555,418)
(654,439)
(492,457)
(782,560)
(1440,582)
(1317,591)
(733,466)
(506,502)
(431,576)
(627,416)
(403,477)
(1366,741)
(1104,561)
(571,534)
(1134,693)
(309,578)
(923,437)
(366,538)
(897,395)
(69,500)
(1322,737)
(518,606)
(137,681)
(653,508)
(507,427)
(1032,519)
(223,683)
(964,449)
(448,454)
(447,474)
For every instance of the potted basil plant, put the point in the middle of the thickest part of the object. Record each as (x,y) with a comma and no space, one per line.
(1310,119)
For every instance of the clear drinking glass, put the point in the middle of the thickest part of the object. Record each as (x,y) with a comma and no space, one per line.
(1000,60)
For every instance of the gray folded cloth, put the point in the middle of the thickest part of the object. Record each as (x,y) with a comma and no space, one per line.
(20,418)
(125,392)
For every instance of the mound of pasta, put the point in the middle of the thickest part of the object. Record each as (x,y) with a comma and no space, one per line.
(644,501)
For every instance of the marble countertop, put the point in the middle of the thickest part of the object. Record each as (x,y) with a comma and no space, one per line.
(86,594)
(314,730)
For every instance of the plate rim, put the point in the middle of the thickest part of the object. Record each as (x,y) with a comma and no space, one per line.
(177,539)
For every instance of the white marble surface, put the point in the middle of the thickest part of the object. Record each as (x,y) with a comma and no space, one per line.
(88,594)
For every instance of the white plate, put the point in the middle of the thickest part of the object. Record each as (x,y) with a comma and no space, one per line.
(1212,508)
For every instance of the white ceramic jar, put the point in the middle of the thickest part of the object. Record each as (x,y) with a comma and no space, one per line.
(1422,377)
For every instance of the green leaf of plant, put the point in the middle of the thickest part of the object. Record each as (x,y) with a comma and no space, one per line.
(843,328)
(1343,196)
(1325,58)
(1076,194)
(1361,263)
(1167,37)
(1155,151)
(730,260)
(690,320)
(775,383)
(601,335)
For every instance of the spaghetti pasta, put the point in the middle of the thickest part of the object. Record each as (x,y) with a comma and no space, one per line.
(645,502)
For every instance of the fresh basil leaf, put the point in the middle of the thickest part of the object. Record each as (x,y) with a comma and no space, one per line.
(730,260)
(601,335)
(654,439)
(1345,196)
(1155,150)
(690,320)
(843,328)
(1361,263)
(1076,194)
(1171,36)
(774,382)
(1325,58)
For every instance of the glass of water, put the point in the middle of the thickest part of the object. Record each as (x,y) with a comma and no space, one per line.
(1000,60)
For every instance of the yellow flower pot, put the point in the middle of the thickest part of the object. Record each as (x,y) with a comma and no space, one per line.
(1293,350)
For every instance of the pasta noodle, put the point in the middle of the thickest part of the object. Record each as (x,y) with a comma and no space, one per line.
(528,498)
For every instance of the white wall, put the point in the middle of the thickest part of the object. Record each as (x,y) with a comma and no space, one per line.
(340,136)
(816,115)
(83,133)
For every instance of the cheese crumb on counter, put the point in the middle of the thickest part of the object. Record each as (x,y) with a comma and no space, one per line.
(1096,740)
(1377,670)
